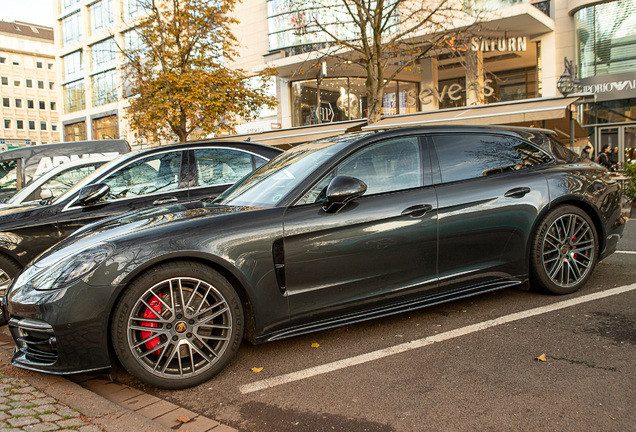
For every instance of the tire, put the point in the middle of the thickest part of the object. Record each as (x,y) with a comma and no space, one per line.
(9,268)
(171,340)
(564,251)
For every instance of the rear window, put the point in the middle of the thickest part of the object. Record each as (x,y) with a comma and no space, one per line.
(558,150)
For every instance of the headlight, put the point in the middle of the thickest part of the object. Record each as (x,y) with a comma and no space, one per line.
(65,271)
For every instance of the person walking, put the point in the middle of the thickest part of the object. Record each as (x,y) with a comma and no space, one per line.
(603,156)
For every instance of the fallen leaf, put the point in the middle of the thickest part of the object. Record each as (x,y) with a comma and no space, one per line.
(540,358)
(257,370)
(183,419)
(315,345)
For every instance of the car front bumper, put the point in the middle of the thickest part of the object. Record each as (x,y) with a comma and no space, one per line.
(61,331)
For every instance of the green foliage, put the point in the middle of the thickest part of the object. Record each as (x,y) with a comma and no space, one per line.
(178,74)
(630,171)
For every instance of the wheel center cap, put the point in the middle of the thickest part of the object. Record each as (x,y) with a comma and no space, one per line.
(564,250)
(181,327)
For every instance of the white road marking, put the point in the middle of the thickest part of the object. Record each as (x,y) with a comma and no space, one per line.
(626,252)
(408,346)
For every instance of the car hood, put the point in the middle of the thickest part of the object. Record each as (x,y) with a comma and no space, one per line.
(110,229)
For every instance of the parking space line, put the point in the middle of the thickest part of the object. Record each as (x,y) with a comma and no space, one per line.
(408,346)
(626,252)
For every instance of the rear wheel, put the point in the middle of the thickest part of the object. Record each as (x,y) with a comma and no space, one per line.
(177,325)
(564,251)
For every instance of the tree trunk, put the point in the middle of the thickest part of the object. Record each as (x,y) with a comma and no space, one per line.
(375,91)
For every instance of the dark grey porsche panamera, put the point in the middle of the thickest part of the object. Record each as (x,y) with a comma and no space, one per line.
(328,233)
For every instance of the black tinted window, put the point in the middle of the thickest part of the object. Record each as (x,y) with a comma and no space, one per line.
(464,156)
(515,154)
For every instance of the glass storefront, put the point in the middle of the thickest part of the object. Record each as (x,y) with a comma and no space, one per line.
(105,128)
(340,99)
(606,38)
(513,85)
(75,132)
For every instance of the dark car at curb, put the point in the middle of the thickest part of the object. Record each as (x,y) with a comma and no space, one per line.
(168,174)
(329,233)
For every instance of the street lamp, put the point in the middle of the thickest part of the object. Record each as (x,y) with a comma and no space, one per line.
(569,82)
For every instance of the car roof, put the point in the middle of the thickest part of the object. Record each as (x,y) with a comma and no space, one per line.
(260,149)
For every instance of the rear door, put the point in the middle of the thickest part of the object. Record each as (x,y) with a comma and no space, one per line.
(381,247)
(489,198)
(154,180)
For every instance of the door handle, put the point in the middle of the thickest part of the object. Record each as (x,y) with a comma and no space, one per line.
(168,200)
(417,211)
(517,192)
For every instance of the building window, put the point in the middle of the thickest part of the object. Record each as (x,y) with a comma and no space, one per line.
(42,105)
(104,88)
(105,128)
(28,62)
(73,67)
(29,83)
(6,102)
(18,103)
(452,93)
(72,29)
(15,60)
(345,99)
(19,124)
(606,38)
(69,5)
(104,55)
(38,65)
(30,104)
(513,85)
(134,8)
(3,60)
(75,132)
(5,80)
(51,66)
(74,97)
(31,124)
(41,85)
(51,85)
(101,16)
(54,126)
(17,82)
(53,106)
(42,125)
(7,124)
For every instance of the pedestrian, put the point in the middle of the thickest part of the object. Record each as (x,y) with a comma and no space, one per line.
(587,152)
(603,156)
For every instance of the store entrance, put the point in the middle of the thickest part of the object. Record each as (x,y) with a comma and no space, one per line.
(622,139)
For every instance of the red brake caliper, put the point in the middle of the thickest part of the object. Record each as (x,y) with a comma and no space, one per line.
(155,304)
(575,255)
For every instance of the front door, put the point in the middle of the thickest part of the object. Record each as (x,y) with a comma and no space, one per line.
(381,246)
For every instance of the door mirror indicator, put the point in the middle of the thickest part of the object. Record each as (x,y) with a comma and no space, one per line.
(341,190)
(92,193)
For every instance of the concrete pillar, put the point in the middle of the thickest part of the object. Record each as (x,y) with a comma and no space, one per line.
(474,64)
(551,66)
(428,84)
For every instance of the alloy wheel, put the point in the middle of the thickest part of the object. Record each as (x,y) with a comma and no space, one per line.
(179,328)
(568,250)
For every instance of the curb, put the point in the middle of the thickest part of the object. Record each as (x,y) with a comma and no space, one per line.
(113,407)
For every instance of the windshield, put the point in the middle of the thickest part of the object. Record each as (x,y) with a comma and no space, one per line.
(269,184)
(98,172)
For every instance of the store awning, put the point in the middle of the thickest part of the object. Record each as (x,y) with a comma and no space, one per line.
(286,138)
(551,113)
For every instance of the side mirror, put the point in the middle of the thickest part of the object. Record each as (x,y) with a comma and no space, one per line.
(341,190)
(46,194)
(92,193)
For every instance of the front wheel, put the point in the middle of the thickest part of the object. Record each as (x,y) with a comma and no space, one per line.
(564,251)
(177,325)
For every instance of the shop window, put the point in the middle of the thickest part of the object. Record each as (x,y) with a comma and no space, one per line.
(513,85)
(105,128)
(75,132)
(452,93)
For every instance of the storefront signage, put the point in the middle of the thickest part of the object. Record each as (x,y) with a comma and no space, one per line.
(611,87)
(453,92)
(502,44)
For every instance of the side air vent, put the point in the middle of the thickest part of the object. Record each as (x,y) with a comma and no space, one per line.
(278,251)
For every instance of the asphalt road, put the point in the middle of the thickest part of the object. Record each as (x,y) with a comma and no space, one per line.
(484,377)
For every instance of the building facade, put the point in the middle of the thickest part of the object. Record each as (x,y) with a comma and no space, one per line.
(28,85)
(520,54)
(87,40)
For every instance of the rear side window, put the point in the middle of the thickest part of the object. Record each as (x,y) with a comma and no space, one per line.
(217,166)
(466,156)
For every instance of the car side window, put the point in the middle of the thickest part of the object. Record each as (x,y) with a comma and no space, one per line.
(515,154)
(221,166)
(67,179)
(388,166)
(153,174)
(8,175)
